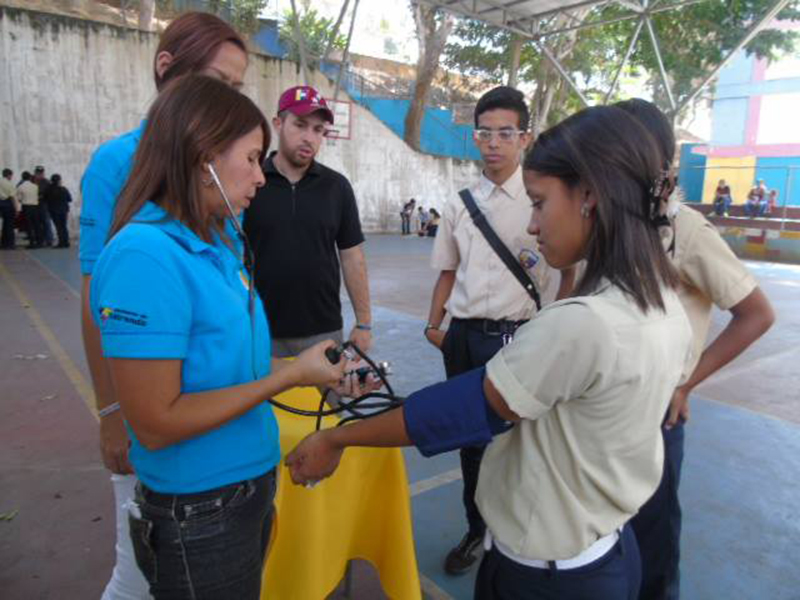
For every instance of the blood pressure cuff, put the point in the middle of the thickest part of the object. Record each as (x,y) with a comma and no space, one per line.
(452,414)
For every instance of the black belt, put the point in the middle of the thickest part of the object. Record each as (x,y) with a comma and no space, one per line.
(492,327)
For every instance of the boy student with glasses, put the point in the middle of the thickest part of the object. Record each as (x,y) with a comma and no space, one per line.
(486,302)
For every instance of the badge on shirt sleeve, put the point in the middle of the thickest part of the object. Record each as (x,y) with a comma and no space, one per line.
(124,316)
(528,258)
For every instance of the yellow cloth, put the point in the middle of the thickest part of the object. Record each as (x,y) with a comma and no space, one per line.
(362,511)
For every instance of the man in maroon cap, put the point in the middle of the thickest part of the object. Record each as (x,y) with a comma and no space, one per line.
(301,225)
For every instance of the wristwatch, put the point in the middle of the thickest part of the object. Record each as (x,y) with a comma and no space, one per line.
(429,326)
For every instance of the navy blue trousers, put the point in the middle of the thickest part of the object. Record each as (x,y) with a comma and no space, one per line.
(466,348)
(658,526)
(615,576)
(8,215)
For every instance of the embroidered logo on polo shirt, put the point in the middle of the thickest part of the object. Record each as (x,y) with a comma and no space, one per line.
(116,314)
(528,258)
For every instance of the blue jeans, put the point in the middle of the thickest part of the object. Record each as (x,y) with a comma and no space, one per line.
(722,204)
(615,576)
(210,545)
(658,526)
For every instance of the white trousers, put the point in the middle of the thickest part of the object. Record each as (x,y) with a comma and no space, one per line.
(127,581)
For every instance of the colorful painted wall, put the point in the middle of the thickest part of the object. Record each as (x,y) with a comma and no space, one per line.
(763,244)
(755,132)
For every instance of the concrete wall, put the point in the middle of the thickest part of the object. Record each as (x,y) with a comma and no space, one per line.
(66,85)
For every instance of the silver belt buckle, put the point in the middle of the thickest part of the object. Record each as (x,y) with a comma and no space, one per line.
(507,338)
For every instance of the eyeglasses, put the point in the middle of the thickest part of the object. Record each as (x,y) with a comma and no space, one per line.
(504,135)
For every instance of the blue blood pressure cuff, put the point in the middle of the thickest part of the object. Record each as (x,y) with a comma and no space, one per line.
(452,414)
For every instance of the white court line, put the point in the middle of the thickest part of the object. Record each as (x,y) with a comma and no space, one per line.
(34,258)
(72,372)
(431,591)
(426,485)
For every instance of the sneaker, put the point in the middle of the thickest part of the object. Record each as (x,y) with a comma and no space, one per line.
(464,555)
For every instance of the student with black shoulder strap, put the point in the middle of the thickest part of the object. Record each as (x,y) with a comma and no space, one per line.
(503,253)
(475,286)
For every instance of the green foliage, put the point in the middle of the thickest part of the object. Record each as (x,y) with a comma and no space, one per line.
(242,14)
(693,40)
(316,31)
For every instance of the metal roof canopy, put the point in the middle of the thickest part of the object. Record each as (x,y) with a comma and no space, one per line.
(538,19)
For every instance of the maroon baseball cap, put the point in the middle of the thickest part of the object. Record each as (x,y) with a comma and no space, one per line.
(304,100)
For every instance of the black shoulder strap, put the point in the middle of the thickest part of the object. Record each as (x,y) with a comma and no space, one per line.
(500,248)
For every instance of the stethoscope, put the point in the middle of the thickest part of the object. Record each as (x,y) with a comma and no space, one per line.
(386,400)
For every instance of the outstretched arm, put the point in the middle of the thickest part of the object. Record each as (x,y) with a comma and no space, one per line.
(318,455)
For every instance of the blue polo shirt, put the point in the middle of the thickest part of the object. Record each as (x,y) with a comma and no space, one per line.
(158,291)
(102,182)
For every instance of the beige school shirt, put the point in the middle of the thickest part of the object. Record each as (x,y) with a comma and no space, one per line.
(484,288)
(591,377)
(8,192)
(710,273)
(28,194)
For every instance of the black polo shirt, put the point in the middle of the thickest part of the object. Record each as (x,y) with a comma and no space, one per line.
(295,231)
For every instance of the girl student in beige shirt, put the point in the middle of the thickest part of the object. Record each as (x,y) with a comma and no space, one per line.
(576,400)
(711,275)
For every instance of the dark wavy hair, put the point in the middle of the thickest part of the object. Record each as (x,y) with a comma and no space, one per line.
(618,160)
(193,120)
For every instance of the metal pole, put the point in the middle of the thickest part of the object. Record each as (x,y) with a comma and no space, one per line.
(346,51)
(301,45)
(628,17)
(786,196)
(631,46)
(335,32)
(657,50)
(554,61)
(637,8)
(751,33)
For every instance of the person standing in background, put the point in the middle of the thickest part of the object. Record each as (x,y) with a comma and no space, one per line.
(57,198)
(41,181)
(28,197)
(8,210)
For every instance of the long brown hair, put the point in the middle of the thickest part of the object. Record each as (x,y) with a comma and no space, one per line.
(193,120)
(616,157)
(193,39)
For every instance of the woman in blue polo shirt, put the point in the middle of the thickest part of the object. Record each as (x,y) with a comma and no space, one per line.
(194,42)
(188,347)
